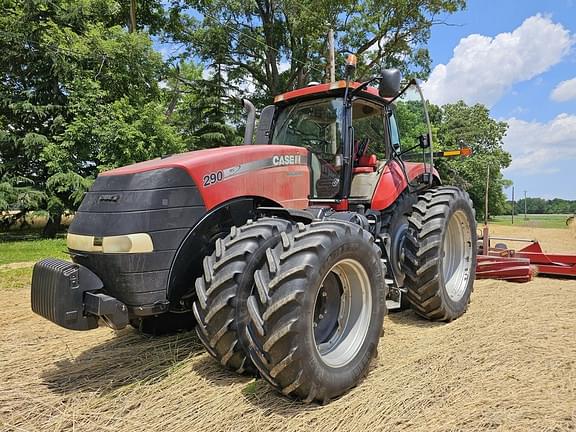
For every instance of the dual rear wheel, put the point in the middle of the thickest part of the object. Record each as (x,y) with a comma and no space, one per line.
(303,305)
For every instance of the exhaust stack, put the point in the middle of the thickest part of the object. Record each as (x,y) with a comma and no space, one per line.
(250,120)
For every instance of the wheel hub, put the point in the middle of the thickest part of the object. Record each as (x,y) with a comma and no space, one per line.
(456,259)
(342,313)
(397,252)
(327,308)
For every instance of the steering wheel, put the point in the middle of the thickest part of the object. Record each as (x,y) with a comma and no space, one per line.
(362,147)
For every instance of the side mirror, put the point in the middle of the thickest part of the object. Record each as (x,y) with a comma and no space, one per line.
(424,141)
(389,83)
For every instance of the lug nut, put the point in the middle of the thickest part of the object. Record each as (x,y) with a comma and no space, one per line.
(320,316)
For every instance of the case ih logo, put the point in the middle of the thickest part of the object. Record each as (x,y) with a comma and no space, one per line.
(287,160)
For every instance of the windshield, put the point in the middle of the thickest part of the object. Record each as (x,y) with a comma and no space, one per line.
(408,122)
(314,124)
(317,126)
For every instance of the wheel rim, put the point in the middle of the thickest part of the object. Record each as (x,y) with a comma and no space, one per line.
(397,251)
(342,312)
(456,262)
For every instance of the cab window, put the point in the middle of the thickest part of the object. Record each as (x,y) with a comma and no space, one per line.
(369,129)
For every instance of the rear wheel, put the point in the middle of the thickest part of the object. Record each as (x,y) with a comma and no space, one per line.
(395,223)
(220,307)
(316,316)
(440,254)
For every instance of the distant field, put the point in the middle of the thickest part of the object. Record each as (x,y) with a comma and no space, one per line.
(534,220)
(31,250)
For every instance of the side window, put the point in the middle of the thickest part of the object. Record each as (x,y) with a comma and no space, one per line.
(394,137)
(369,128)
(411,121)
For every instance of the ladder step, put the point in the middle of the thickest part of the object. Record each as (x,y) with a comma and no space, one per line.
(391,304)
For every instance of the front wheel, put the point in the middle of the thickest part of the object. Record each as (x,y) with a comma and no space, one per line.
(316,316)
(440,254)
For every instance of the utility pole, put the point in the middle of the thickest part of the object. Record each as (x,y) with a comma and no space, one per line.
(132,16)
(331,77)
(486,197)
(331,61)
(513,205)
(525,207)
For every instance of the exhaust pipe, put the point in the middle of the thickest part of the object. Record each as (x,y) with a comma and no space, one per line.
(250,120)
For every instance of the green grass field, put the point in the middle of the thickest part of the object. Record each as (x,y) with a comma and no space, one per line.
(534,220)
(31,250)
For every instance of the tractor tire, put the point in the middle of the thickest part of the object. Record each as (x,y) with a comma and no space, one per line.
(316,315)
(222,291)
(395,223)
(440,254)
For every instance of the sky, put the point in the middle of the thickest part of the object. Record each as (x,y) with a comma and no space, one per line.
(519,59)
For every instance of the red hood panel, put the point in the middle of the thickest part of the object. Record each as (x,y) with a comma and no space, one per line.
(276,172)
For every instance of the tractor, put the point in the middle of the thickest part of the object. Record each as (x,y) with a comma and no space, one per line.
(285,253)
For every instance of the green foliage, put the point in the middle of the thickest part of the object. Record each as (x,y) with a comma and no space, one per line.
(79,94)
(282,45)
(543,206)
(206,115)
(134,133)
(472,126)
(454,125)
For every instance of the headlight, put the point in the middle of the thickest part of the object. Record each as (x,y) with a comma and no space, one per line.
(128,243)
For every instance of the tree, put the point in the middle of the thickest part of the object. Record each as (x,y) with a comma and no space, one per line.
(472,126)
(79,94)
(205,115)
(279,46)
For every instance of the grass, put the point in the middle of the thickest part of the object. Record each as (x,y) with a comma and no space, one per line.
(15,278)
(31,250)
(534,220)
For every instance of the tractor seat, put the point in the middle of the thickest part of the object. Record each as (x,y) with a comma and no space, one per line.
(365,164)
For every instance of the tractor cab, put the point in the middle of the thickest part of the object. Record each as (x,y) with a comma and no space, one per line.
(355,134)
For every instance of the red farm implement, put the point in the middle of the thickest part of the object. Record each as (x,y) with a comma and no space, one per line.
(500,262)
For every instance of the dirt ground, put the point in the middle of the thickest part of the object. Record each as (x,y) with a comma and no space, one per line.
(508,364)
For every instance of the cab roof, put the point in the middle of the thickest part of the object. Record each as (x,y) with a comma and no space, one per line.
(325,90)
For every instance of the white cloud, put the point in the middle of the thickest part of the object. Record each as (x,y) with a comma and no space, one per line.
(564,91)
(536,146)
(483,68)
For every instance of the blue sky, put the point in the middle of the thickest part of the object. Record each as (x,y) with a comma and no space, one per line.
(519,59)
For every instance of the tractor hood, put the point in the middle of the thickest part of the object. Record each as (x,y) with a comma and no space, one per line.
(134,219)
(227,172)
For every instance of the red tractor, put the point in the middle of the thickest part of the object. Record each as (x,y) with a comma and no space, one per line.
(286,254)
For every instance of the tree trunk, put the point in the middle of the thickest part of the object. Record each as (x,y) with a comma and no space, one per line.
(132,16)
(52,225)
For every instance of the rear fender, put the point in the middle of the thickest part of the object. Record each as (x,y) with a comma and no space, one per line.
(393,182)
(187,263)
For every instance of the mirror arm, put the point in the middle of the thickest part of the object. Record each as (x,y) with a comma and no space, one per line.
(406,151)
(362,87)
